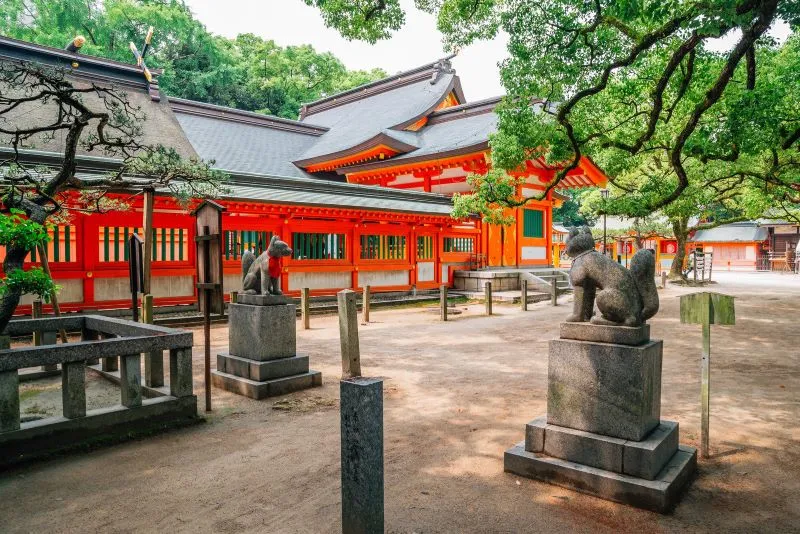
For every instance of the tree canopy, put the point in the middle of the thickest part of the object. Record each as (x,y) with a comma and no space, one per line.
(247,72)
(644,87)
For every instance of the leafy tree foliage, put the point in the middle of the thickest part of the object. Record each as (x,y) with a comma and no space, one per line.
(247,72)
(570,213)
(640,86)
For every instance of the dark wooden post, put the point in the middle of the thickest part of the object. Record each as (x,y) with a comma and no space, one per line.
(365,304)
(305,307)
(135,272)
(523,295)
(443,302)
(208,217)
(147,241)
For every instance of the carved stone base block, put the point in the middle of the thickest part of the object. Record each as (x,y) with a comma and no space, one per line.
(605,388)
(262,332)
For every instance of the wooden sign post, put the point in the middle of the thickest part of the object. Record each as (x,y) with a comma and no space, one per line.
(208,216)
(135,272)
(706,308)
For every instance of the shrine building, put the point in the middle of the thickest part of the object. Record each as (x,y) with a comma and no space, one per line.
(359,186)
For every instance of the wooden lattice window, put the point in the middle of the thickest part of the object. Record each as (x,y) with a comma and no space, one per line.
(459,244)
(167,244)
(318,246)
(61,247)
(383,247)
(425,247)
(237,241)
(533,223)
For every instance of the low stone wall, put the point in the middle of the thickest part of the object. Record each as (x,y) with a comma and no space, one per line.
(476,280)
(120,345)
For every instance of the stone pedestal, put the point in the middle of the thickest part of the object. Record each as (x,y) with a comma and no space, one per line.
(262,360)
(603,434)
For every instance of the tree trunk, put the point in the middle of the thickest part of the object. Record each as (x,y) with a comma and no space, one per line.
(15,257)
(681,229)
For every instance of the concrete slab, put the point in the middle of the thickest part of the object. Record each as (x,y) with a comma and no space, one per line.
(269,388)
(643,459)
(621,335)
(659,495)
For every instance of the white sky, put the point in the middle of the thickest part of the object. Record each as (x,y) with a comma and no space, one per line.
(292,22)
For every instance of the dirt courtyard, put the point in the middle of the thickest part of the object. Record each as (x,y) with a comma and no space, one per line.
(456,395)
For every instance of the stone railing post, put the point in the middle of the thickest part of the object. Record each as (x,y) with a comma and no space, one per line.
(305,307)
(180,372)
(348,333)
(443,302)
(73,389)
(43,338)
(153,361)
(130,380)
(554,290)
(365,304)
(9,400)
(523,295)
(487,292)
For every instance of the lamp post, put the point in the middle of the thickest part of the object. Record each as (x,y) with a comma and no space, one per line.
(604,194)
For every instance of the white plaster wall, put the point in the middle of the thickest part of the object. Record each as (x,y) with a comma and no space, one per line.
(71,291)
(232,282)
(382,278)
(426,271)
(171,286)
(534,253)
(340,280)
(750,252)
(112,289)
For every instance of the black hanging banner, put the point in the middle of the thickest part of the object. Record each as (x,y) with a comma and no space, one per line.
(135,271)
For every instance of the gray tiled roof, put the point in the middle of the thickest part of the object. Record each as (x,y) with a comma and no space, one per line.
(732,233)
(313,192)
(453,135)
(249,148)
(355,122)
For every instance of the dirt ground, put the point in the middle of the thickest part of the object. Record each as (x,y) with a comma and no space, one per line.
(457,395)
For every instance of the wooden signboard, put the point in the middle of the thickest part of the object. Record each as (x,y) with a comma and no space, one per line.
(208,217)
(706,308)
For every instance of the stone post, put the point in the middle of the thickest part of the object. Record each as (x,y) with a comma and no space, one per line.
(664,279)
(43,338)
(73,389)
(180,372)
(443,302)
(130,380)
(153,361)
(361,401)
(554,291)
(9,400)
(365,304)
(523,297)
(305,307)
(348,333)
(487,293)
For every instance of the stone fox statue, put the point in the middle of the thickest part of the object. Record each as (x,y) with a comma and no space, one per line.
(261,274)
(624,297)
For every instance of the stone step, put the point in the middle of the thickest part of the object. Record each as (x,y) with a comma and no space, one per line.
(270,388)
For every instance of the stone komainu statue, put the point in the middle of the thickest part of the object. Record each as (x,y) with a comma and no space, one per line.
(261,274)
(624,297)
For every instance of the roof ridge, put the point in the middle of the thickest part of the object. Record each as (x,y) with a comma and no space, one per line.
(195,107)
(384,84)
(63,54)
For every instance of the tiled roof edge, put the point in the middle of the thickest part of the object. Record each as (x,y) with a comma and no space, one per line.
(469,109)
(379,86)
(90,67)
(202,109)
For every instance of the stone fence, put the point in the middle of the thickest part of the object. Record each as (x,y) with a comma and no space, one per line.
(101,337)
